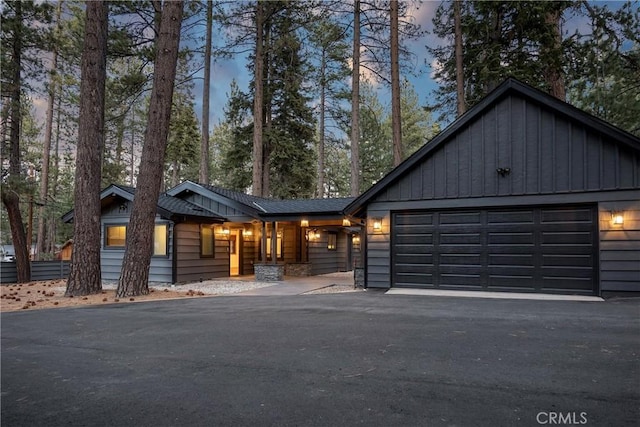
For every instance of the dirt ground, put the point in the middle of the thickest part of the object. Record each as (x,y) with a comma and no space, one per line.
(50,294)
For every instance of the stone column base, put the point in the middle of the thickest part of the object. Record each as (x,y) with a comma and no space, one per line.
(269,272)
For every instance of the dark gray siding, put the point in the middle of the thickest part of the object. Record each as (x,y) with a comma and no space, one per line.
(378,251)
(620,247)
(323,260)
(546,154)
(111,259)
(190,266)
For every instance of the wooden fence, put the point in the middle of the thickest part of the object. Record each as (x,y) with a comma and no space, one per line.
(40,270)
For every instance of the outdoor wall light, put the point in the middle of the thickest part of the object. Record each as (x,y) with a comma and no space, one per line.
(304,223)
(377,224)
(225,231)
(346,222)
(617,218)
(314,234)
(247,233)
(356,240)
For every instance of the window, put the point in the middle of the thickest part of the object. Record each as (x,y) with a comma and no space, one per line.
(278,246)
(207,242)
(115,236)
(160,240)
(332,241)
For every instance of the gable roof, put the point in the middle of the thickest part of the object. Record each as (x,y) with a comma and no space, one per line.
(511,86)
(266,208)
(168,207)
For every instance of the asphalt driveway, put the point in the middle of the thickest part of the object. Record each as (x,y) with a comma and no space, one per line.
(324,360)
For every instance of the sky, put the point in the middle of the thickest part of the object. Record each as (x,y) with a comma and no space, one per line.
(420,75)
(225,70)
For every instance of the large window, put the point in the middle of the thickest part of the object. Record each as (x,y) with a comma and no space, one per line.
(207,242)
(115,237)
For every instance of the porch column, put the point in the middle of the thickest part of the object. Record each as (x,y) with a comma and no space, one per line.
(263,243)
(274,243)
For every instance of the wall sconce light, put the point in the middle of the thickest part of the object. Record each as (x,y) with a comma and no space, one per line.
(247,233)
(617,218)
(346,222)
(356,240)
(304,223)
(313,234)
(377,224)
(224,231)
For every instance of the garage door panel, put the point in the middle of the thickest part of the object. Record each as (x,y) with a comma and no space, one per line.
(447,238)
(571,216)
(511,283)
(563,285)
(460,281)
(510,217)
(415,259)
(525,249)
(511,238)
(411,239)
(418,219)
(510,270)
(566,238)
(412,279)
(575,260)
(522,259)
(454,218)
(460,259)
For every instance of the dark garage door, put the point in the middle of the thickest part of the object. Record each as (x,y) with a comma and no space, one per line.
(549,249)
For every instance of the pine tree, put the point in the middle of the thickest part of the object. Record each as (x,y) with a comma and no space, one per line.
(137,257)
(84,276)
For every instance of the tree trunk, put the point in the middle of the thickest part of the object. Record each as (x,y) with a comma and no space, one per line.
(44,181)
(396,116)
(258,103)
(10,197)
(204,147)
(554,69)
(457,17)
(84,276)
(355,103)
(323,81)
(139,246)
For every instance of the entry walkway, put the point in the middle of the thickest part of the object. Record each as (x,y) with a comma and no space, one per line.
(301,285)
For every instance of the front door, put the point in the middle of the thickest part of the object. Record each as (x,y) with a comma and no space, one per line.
(234,252)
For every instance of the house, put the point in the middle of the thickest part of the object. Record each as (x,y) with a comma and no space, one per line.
(523,193)
(204,232)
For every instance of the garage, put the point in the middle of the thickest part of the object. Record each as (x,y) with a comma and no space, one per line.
(542,249)
(522,193)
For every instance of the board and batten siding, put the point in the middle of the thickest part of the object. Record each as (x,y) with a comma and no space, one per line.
(190,266)
(220,208)
(161,267)
(545,153)
(620,247)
